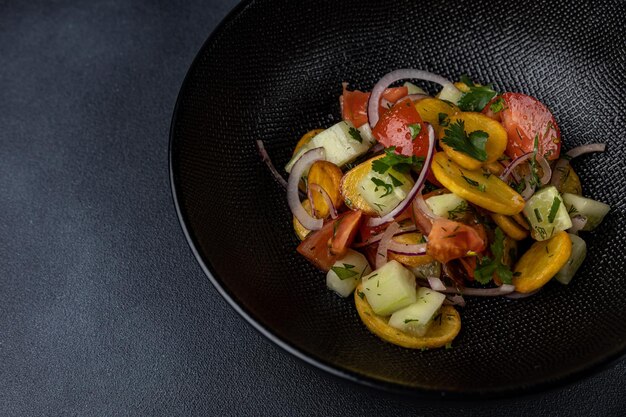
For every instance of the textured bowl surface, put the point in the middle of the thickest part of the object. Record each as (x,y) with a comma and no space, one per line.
(273,70)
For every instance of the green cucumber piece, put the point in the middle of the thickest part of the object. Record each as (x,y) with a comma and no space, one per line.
(384,192)
(449,205)
(593,210)
(347,272)
(432,269)
(579,252)
(413,89)
(389,288)
(417,318)
(546,213)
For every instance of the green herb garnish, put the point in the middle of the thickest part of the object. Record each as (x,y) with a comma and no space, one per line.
(410,320)
(400,163)
(380,183)
(459,211)
(415,130)
(344,272)
(473,144)
(355,134)
(538,215)
(497,105)
(556,203)
(443,119)
(487,266)
(477,97)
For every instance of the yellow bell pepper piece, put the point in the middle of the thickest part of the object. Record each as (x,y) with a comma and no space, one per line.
(441,332)
(483,189)
(541,262)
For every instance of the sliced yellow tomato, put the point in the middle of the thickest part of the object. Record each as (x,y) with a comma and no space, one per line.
(305,139)
(301,231)
(509,226)
(521,220)
(413,238)
(442,331)
(328,176)
(349,187)
(434,111)
(484,190)
(541,262)
(496,142)
(494,167)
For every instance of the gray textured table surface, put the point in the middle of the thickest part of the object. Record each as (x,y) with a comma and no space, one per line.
(103,309)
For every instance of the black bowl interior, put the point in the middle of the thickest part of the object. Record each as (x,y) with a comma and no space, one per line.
(273,70)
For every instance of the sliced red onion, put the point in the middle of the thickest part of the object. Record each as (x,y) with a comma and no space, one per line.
(454,300)
(545,167)
(517,295)
(392,77)
(381,253)
(376,238)
(329,202)
(514,164)
(481,292)
(377,221)
(266,158)
(436,284)
(298,169)
(406,248)
(578,222)
(529,190)
(423,207)
(583,149)
(563,162)
(417,97)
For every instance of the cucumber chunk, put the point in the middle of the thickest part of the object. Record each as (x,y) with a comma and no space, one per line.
(425,271)
(389,288)
(593,210)
(579,252)
(451,94)
(383,192)
(449,206)
(417,318)
(546,214)
(342,142)
(347,272)
(413,89)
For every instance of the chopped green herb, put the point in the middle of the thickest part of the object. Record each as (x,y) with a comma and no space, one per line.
(396,182)
(380,183)
(498,105)
(469,180)
(459,211)
(380,206)
(473,145)
(449,345)
(410,320)
(482,187)
(344,272)
(556,203)
(538,215)
(400,163)
(542,232)
(360,294)
(355,134)
(348,202)
(443,119)
(572,210)
(415,130)
(477,97)
(486,266)
(336,225)
(520,186)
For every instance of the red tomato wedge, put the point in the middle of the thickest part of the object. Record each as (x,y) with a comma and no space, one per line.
(367,232)
(524,118)
(323,247)
(450,240)
(394,129)
(354,103)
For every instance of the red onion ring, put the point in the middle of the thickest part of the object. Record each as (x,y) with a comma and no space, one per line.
(454,300)
(329,202)
(299,168)
(514,164)
(392,77)
(377,221)
(436,284)
(529,190)
(406,248)
(423,207)
(266,158)
(563,162)
(374,239)
(545,167)
(517,295)
(481,292)
(381,253)
(578,222)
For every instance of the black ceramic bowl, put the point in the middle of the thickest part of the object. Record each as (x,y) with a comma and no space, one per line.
(273,70)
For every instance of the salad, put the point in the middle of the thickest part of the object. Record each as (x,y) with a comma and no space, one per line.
(413,202)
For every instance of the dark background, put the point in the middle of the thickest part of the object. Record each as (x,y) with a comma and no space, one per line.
(103,309)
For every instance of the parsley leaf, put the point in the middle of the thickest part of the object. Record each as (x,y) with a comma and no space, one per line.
(472,145)
(498,105)
(396,182)
(344,272)
(380,183)
(400,163)
(486,267)
(415,130)
(477,97)
(355,134)
(443,119)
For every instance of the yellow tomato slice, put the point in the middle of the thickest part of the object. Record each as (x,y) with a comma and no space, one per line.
(509,226)
(483,189)
(410,260)
(541,262)
(306,138)
(328,176)
(300,230)
(431,108)
(349,187)
(442,331)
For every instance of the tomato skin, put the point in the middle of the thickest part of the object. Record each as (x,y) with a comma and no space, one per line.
(525,117)
(367,232)
(323,247)
(354,103)
(450,240)
(393,129)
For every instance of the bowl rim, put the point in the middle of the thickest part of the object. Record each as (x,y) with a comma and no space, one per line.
(543,386)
